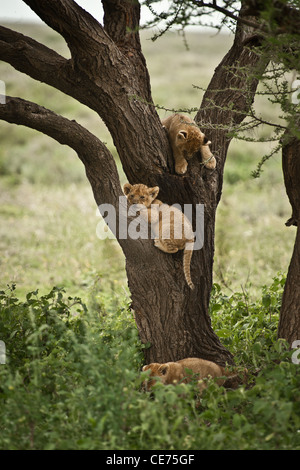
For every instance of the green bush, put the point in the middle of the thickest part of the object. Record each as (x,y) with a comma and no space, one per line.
(248,328)
(72,380)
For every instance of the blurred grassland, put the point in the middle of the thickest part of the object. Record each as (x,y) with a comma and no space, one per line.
(48,217)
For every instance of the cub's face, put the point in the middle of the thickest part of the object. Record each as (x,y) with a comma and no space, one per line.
(140,194)
(190,140)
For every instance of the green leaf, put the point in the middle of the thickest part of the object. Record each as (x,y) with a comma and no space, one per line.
(266,300)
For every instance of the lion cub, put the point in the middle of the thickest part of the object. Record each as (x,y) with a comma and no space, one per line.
(180,372)
(171,229)
(186,139)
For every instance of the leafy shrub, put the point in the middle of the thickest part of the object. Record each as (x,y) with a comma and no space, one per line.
(65,372)
(248,328)
(72,381)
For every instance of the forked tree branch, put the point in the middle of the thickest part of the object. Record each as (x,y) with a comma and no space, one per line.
(92,49)
(285,18)
(105,81)
(97,50)
(71,21)
(42,63)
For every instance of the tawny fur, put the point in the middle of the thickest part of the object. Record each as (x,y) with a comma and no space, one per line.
(171,229)
(186,139)
(184,371)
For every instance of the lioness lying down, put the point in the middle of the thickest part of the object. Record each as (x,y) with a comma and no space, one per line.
(184,371)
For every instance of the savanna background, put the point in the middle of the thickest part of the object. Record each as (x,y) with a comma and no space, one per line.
(73,357)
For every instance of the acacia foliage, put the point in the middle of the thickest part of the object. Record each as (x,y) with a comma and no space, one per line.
(276,23)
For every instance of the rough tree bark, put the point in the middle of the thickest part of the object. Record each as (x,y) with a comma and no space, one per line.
(285,19)
(107,72)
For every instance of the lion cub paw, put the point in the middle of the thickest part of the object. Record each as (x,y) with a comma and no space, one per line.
(181,168)
(211,163)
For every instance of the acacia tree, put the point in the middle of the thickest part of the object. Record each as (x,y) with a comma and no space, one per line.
(108,73)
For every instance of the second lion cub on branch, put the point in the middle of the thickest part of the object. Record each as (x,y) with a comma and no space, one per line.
(186,139)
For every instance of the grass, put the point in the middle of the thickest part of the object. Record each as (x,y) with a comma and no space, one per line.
(47,233)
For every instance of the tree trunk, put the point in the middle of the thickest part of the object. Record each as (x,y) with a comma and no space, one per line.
(108,73)
(171,317)
(289,322)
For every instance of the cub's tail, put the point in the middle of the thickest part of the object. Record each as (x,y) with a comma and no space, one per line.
(187,256)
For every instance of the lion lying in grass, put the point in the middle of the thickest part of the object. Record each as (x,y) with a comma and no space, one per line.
(185,370)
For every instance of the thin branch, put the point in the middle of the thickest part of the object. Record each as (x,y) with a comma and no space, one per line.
(170,22)
(256,120)
(239,19)
(256,173)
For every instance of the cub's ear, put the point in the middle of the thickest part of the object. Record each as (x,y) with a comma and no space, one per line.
(126,188)
(206,141)
(182,134)
(153,192)
(163,369)
(148,366)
